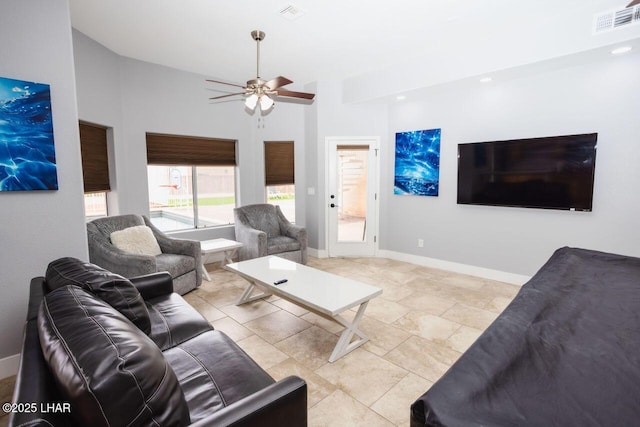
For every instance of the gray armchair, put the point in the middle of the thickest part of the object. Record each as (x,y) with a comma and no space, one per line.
(263,230)
(180,257)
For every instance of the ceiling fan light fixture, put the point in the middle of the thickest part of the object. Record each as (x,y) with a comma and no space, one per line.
(251,102)
(266,103)
(257,90)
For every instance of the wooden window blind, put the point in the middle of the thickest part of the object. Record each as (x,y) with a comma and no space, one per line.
(278,162)
(95,161)
(190,150)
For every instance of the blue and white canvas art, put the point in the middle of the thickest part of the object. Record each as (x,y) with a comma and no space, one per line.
(417,170)
(27,154)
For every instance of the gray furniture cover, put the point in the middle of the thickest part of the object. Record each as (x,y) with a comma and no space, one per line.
(565,352)
(263,230)
(180,257)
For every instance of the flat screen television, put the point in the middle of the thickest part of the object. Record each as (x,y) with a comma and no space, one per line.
(549,173)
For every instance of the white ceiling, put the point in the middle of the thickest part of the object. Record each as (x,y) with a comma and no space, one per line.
(338,39)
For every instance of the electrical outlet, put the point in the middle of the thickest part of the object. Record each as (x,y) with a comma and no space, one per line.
(420,243)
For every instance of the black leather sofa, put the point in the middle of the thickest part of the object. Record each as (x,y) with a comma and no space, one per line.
(102,350)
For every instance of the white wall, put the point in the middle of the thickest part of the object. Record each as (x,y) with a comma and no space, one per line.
(39,226)
(329,116)
(598,94)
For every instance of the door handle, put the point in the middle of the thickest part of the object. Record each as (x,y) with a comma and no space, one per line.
(333,205)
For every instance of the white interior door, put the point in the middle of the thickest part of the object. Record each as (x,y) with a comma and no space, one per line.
(351,201)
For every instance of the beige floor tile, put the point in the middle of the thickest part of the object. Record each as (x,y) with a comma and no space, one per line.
(391,291)
(423,357)
(249,311)
(311,347)
(6,396)
(341,410)
(207,310)
(382,337)
(473,297)
(498,304)
(218,276)
(265,354)
(290,307)
(427,303)
(470,316)
(397,277)
(384,310)
(326,324)
(226,294)
(501,289)
(362,375)
(427,326)
(6,388)
(232,328)
(463,281)
(317,387)
(277,326)
(395,404)
(462,339)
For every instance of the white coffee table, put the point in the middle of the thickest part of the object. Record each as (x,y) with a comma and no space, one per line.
(215,246)
(325,294)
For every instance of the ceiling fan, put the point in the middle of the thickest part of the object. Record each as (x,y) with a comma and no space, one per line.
(262,92)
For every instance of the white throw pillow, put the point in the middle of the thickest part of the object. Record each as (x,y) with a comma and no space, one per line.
(136,240)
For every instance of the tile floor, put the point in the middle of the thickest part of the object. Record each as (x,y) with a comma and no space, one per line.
(419,326)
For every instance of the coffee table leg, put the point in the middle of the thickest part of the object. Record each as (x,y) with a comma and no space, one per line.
(247,297)
(228,256)
(344,344)
(205,273)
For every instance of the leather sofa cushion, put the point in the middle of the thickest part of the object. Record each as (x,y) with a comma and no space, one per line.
(174,321)
(214,373)
(109,370)
(112,288)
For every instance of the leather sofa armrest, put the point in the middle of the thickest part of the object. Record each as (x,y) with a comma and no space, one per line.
(34,383)
(282,403)
(153,285)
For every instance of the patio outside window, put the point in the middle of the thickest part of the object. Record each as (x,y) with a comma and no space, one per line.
(183,197)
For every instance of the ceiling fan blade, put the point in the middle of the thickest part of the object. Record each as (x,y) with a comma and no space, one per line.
(292,94)
(225,83)
(228,95)
(279,81)
(633,3)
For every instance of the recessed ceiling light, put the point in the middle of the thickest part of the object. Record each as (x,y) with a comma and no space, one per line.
(621,50)
(401,97)
(485,79)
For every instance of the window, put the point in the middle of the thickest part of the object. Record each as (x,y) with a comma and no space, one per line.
(95,205)
(279,176)
(95,169)
(191,181)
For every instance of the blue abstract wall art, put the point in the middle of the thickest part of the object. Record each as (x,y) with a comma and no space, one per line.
(417,171)
(27,154)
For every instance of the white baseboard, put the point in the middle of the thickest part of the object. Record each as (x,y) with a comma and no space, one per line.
(317,253)
(485,273)
(9,366)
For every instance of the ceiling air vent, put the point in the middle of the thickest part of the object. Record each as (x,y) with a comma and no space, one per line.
(291,12)
(613,19)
